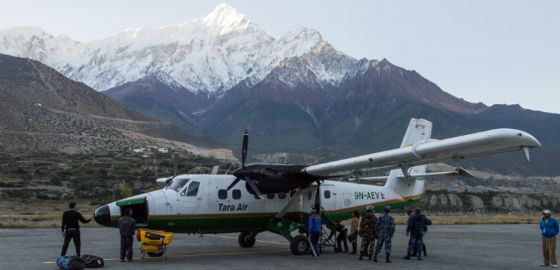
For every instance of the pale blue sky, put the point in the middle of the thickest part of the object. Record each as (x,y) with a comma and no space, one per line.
(489,51)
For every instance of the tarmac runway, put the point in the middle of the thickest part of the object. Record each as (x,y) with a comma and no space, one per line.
(449,247)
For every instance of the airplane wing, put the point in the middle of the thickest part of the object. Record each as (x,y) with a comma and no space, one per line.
(430,151)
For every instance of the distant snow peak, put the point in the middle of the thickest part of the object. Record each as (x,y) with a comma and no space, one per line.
(226,18)
(208,55)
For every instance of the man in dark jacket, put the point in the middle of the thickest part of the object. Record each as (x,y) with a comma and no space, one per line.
(71,228)
(127,226)
(416,228)
(367,232)
(410,213)
(549,230)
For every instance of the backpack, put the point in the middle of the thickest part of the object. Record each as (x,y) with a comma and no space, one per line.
(92,261)
(70,263)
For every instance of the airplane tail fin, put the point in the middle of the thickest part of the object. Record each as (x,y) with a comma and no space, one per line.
(418,130)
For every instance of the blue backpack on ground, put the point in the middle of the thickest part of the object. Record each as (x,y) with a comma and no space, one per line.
(70,263)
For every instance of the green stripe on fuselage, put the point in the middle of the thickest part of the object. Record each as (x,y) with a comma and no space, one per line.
(220,223)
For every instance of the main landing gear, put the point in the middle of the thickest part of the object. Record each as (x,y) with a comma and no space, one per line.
(247,239)
(299,245)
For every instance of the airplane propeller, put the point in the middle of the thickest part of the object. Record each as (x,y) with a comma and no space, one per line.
(244,147)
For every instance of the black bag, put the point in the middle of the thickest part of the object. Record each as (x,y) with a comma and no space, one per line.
(92,261)
(70,263)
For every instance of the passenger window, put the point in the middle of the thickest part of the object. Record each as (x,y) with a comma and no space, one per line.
(292,193)
(193,189)
(327,194)
(236,194)
(282,195)
(270,196)
(222,194)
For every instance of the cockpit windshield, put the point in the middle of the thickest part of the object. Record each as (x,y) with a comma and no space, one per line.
(178,184)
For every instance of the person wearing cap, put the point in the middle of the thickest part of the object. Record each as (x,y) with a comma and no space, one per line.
(314,229)
(416,229)
(549,230)
(367,232)
(385,228)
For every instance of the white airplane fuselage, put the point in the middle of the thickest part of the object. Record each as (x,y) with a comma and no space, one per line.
(212,209)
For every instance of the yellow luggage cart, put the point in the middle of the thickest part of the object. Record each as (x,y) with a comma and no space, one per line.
(154,243)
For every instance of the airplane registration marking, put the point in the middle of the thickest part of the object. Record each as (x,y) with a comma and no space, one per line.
(369,195)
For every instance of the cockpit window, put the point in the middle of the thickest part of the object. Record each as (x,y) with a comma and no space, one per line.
(193,189)
(178,184)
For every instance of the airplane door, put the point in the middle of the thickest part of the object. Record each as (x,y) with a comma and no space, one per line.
(328,197)
(190,198)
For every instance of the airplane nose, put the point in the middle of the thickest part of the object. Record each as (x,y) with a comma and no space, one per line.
(102,216)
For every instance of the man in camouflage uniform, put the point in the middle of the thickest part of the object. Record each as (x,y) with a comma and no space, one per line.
(385,230)
(367,232)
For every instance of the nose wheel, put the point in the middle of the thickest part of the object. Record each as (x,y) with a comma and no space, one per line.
(247,239)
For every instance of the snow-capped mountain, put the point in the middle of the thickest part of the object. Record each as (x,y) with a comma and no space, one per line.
(210,54)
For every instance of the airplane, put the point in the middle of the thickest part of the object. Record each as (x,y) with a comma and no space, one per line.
(278,197)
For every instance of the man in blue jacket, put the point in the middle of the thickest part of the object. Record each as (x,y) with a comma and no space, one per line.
(314,230)
(549,230)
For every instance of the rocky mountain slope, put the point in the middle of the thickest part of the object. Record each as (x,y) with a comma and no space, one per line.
(44,112)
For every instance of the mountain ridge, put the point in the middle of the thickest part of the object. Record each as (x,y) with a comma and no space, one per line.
(43,111)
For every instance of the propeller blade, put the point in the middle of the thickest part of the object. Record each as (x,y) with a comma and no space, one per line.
(244,148)
(254,187)
(234,183)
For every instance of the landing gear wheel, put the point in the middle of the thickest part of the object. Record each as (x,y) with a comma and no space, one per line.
(247,239)
(155,254)
(299,245)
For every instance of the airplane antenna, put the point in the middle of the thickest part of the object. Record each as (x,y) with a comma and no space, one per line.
(175,161)
(230,166)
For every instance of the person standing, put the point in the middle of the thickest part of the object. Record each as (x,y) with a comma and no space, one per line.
(342,237)
(410,214)
(354,231)
(71,228)
(367,232)
(385,231)
(416,229)
(549,230)
(314,228)
(127,226)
